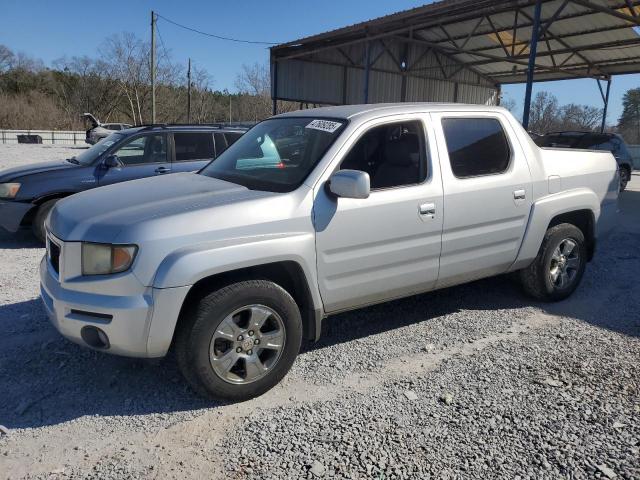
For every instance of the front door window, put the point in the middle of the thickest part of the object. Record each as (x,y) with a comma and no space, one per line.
(145,149)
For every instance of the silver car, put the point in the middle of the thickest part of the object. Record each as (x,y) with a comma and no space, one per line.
(98,131)
(312,213)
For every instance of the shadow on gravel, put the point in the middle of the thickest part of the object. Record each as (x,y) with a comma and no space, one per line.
(46,380)
(21,239)
(383,317)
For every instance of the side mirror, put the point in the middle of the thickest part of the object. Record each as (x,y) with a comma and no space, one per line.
(350,184)
(112,161)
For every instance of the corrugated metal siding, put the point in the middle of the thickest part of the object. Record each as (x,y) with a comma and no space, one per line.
(321,83)
(312,82)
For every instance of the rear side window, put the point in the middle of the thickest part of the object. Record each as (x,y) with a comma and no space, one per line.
(221,143)
(193,146)
(232,137)
(477,146)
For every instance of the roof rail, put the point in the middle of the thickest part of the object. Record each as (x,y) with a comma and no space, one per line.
(234,125)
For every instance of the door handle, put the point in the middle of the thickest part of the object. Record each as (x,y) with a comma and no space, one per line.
(427,209)
(519,195)
(163,170)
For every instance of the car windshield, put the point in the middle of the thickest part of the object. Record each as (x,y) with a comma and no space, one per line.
(587,141)
(276,155)
(91,154)
(559,141)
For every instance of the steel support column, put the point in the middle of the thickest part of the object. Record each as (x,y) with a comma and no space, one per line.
(367,67)
(404,65)
(532,63)
(274,95)
(606,105)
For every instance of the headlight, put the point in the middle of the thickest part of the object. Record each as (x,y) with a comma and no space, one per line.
(9,190)
(103,259)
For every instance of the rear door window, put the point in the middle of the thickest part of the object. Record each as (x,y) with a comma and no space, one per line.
(477,146)
(231,138)
(193,146)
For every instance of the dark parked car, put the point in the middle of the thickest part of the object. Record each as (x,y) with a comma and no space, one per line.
(593,141)
(28,193)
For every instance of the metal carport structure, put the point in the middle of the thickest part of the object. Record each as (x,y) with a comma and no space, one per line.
(461,51)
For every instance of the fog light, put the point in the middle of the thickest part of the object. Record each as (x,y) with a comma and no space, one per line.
(94,337)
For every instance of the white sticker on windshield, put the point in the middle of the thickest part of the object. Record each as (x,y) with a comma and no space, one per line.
(324,125)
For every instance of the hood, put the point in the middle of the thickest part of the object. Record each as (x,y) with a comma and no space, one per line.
(16,172)
(91,119)
(164,202)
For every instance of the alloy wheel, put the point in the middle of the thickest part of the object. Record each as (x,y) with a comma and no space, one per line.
(565,263)
(247,344)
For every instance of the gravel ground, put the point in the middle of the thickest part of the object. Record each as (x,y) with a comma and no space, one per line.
(475,381)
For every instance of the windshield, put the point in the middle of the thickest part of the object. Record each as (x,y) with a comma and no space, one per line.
(587,141)
(277,154)
(91,154)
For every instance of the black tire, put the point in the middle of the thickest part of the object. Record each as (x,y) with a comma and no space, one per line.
(199,324)
(37,226)
(625,176)
(537,279)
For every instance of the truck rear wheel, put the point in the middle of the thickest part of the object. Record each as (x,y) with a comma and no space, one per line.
(559,266)
(239,341)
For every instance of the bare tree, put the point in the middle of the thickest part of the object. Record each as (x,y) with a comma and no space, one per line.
(254,84)
(580,117)
(7,58)
(545,113)
(509,104)
(86,87)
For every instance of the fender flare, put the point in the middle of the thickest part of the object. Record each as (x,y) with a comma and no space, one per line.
(542,213)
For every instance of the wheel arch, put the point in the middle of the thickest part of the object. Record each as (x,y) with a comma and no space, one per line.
(287,274)
(28,218)
(580,207)
(584,219)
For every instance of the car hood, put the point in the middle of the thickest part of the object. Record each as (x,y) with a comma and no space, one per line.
(157,203)
(17,172)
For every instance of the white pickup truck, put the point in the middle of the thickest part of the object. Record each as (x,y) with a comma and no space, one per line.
(312,213)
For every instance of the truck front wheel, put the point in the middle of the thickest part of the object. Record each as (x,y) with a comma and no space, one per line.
(239,341)
(559,266)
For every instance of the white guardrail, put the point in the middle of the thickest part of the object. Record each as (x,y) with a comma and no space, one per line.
(50,137)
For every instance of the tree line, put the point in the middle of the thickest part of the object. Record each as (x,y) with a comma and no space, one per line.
(547,115)
(115,86)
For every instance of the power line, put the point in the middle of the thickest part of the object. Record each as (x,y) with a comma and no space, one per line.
(219,37)
(166,54)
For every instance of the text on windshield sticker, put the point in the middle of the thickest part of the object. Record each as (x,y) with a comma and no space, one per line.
(324,125)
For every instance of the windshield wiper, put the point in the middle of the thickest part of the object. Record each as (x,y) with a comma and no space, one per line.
(73,160)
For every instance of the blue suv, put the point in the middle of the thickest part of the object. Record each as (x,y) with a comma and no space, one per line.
(28,193)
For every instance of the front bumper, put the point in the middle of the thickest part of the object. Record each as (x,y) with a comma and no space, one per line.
(12,213)
(139,325)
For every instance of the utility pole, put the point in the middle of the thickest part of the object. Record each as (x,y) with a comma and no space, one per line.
(229,108)
(153,67)
(189,92)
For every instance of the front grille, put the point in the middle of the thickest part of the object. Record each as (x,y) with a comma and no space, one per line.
(54,256)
